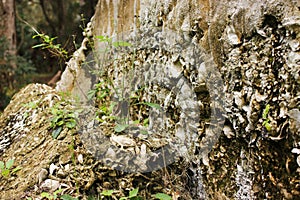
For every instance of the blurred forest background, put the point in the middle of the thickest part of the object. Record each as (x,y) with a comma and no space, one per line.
(21,64)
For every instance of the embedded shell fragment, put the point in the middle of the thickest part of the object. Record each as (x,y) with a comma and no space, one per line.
(122,140)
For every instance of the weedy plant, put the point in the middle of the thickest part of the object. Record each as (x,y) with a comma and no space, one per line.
(49,44)
(133,195)
(6,168)
(109,194)
(56,195)
(266,122)
(63,115)
(113,103)
(163,196)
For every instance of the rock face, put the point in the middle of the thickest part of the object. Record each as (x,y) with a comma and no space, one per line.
(26,138)
(255,46)
(226,75)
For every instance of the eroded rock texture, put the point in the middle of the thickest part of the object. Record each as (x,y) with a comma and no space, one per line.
(226,75)
(255,45)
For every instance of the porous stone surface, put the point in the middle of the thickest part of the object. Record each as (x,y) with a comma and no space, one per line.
(255,47)
(213,67)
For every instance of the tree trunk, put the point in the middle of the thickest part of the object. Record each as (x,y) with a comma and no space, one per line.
(7,27)
(8,32)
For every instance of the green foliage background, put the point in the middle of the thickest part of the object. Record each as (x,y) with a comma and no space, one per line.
(56,18)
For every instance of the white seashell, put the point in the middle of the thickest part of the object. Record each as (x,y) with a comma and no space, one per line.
(50,185)
(42,175)
(228,132)
(122,140)
(67,167)
(232,36)
(80,158)
(295,150)
(52,168)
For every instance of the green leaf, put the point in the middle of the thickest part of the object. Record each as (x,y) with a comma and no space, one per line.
(103,109)
(5,172)
(123,198)
(18,168)
(121,44)
(103,94)
(60,123)
(162,196)
(54,110)
(56,132)
(266,111)
(107,192)
(120,127)
(38,35)
(133,193)
(39,45)
(54,120)
(57,46)
(103,38)
(268,126)
(57,191)
(71,123)
(71,115)
(1,165)
(9,163)
(46,195)
(136,122)
(146,122)
(67,197)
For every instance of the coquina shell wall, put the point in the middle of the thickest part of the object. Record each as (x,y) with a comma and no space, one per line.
(255,46)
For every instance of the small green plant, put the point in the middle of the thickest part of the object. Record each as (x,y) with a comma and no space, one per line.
(106,193)
(48,43)
(56,195)
(266,122)
(62,117)
(67,197)
(102,93)
(145,122)
(6,168)
(133,195)
(121,113)
(163,196)
(51,196)
(116,44)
